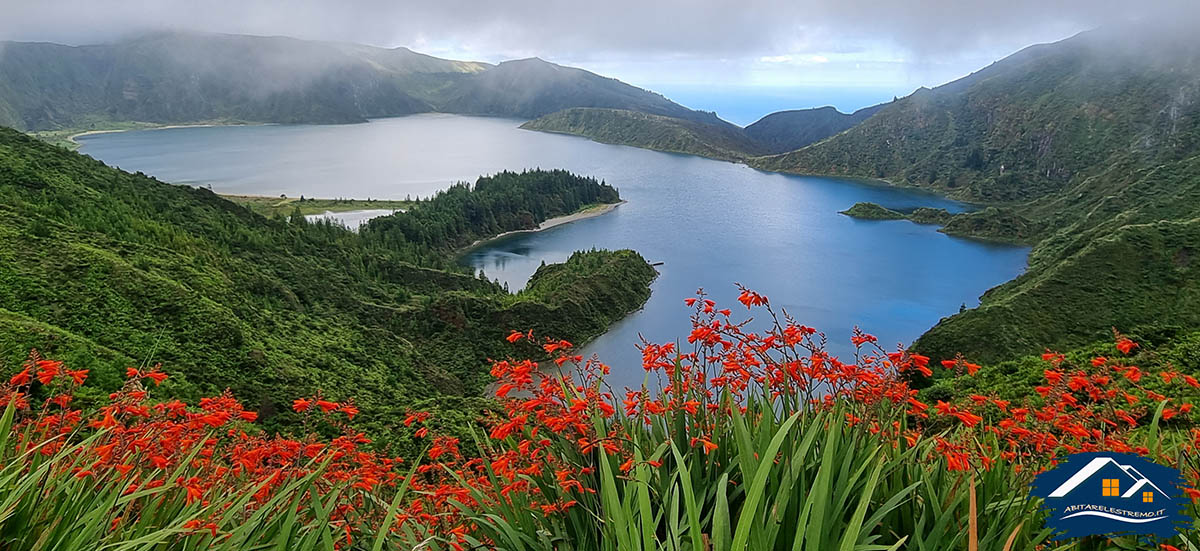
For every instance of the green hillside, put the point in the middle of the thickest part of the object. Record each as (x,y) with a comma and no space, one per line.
(1124,256)
(704,135)
(1085,148)
(108,269)
(1088,149)
(872,211)
(1030,125)
(785,131)
(719,140)
(180,77)
(530,88)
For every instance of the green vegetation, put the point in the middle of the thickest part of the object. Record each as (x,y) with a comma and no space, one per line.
(530,88)
(1136,278)
(455,218)
(789,448)
(179,77)
(790,130)
(1004,225)
(108,269)
(1034,124)
(1162,348)
(872,211)
(1083,148)
(706,136)
(718,140)
(286,206)
(927,215)
(989,224)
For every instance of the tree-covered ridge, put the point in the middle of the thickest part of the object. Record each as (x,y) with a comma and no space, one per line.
(465,213)
(109,269)
(1087,148)
(1001,225)
(530,88)
(705,136)
(181,77)
(1033,123)
(785,131)
(872,211)
(714,139)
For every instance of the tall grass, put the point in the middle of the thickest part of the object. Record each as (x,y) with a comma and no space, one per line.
(750,442)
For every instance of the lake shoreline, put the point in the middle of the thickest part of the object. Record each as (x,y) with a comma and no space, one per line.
(71,138)
(711,222)
(590,212)
(270,205)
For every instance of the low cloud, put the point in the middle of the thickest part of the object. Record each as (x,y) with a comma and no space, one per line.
(925,33)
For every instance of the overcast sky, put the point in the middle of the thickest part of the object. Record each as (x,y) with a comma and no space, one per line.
(879,47)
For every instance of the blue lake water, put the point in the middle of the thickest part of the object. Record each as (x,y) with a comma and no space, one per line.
(710,223)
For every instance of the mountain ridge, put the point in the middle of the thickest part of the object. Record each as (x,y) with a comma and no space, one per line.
(793,129)
(184,77)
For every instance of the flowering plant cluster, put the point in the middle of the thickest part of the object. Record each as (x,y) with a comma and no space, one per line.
(754,436)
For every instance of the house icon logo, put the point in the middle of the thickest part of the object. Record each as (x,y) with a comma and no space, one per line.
(1102,493)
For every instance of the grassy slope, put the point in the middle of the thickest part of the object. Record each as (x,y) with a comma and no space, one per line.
(286,206)
(95,261)
(785,131)
(624,127)
(1126,259)
(872,211)
(1088,151)
(1030,125)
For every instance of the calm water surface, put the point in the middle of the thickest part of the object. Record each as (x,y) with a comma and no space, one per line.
(711,223)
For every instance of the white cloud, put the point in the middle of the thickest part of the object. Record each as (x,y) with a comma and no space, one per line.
(804,40)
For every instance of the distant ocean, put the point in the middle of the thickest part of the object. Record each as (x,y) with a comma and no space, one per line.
(744,105)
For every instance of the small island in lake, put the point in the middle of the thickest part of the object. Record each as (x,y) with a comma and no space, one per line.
(872,211)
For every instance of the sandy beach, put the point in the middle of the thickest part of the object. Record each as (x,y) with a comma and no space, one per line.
(556,221)
(72,137)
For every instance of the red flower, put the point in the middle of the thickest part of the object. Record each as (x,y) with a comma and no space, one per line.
(20,379)
(301,405)
(47,371)
(78,376)
(157,376)
(1126,346)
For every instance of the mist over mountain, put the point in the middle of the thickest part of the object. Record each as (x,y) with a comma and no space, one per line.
(1081,148)
(1031,123)
(530,88)
(1088,148)
(175,77)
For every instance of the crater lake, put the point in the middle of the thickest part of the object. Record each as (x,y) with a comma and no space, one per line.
(709,223)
